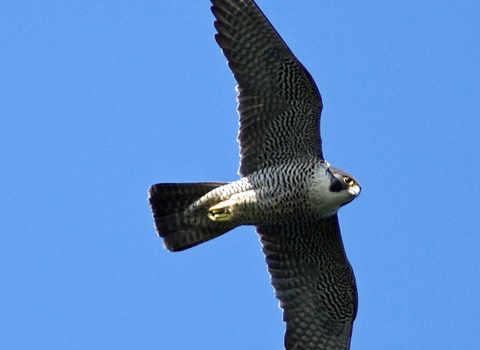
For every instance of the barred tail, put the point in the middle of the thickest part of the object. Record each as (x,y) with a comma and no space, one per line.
(168,203)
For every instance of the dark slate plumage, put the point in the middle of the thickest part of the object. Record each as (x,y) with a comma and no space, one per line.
(313,281)
(279,103)
(287,190)
(168,202)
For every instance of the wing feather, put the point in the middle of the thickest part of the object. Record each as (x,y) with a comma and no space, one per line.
(279,103)
(313,281)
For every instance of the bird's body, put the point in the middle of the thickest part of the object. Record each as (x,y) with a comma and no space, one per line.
(281,194)
(288,191)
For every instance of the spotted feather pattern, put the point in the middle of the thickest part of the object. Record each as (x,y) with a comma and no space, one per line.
(313,281)
(279,103)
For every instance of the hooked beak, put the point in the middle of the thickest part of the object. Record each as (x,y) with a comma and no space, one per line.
(354,190)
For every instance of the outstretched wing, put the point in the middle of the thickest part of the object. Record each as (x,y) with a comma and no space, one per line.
(313,281)
(279,103)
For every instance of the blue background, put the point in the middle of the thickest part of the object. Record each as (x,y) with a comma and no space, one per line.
(99,100)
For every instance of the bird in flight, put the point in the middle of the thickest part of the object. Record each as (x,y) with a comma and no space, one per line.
(287,190)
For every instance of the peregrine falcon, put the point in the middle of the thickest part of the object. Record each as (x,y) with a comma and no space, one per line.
(287,190)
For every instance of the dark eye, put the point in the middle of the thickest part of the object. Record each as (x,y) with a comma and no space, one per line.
(349,181)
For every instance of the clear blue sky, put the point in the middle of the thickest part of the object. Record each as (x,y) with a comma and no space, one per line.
(101,99)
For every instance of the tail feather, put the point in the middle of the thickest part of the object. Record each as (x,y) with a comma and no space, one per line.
(169,202)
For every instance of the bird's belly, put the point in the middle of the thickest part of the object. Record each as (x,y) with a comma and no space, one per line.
(280,202)
(285,206)
(272,196)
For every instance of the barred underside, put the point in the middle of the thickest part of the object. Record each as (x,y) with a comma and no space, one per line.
(279,103)
(314,283)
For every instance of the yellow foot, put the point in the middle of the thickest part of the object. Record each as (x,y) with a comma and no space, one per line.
(221,211)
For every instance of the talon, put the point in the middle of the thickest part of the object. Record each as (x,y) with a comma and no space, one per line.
(219,217)
(220,211)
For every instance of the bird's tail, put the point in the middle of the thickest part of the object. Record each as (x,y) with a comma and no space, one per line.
(180,228)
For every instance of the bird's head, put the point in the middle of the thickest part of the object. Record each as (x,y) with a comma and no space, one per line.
(344,185)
